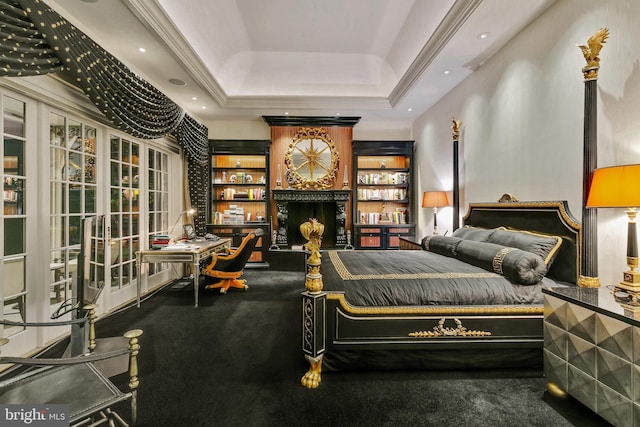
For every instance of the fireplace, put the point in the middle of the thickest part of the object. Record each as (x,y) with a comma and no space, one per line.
(298,206)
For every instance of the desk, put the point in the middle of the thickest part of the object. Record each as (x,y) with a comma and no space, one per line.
(192,253)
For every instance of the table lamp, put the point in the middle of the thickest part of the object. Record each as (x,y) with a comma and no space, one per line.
(435,200)
(190,211)
(618,187)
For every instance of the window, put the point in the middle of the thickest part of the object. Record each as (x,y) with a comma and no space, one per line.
(13,218)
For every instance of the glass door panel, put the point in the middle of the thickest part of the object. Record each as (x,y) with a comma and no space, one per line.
(13,250)
(73,185)
(124,195)
(157,172)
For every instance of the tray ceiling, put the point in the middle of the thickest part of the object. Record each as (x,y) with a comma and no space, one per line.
(383,60)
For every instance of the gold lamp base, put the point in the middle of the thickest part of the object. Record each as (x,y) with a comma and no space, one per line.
(627,292)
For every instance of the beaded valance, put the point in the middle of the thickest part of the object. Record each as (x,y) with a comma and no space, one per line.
(36,40)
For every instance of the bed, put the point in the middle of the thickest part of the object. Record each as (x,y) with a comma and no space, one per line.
(469,300)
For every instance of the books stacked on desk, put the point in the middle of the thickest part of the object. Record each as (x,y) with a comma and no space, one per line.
(160,241)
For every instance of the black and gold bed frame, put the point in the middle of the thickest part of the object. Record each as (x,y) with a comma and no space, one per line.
(331,325)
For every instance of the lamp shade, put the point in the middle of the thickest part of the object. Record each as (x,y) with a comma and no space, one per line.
(435,199)
(615,187)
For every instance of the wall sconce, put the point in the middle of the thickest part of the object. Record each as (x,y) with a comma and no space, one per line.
(435,200)
(618,187)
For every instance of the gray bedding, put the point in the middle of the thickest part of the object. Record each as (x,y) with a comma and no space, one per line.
(410,278)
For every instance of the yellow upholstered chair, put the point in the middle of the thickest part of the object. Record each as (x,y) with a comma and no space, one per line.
(228,268)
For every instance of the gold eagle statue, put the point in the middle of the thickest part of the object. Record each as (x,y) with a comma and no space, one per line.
(591,51)
(456,128)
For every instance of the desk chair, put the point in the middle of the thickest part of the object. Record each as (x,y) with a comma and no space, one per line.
(228,268)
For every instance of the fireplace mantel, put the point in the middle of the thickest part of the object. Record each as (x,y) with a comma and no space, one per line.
(291,203)
(311,195)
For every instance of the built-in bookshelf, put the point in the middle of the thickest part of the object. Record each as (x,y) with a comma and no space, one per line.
(239,195)
(383,208)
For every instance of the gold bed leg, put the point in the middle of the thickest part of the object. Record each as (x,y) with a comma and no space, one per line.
(555,390)
(312,230)
(312,378)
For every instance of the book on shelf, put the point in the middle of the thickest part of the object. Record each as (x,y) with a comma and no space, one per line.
(249,194)
(383,178)
(382,194)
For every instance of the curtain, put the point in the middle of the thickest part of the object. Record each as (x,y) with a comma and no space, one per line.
(36,41)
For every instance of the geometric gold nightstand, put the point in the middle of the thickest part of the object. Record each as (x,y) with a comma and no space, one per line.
(592,351)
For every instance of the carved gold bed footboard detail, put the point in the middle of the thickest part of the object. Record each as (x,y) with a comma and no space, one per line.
(441,331)
(312,230)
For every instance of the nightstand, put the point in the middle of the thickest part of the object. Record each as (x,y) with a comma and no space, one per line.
(592,352)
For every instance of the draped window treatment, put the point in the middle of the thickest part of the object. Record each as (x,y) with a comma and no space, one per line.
(35,40)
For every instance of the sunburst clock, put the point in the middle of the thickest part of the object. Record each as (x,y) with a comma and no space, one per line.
(311,160)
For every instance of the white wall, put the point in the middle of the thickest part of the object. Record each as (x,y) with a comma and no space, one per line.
(522,114)
(238,129)
(259,129)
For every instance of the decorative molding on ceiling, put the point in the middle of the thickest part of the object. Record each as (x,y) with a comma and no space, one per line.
(308,102)
(156,20)
(451,23)
(153,16)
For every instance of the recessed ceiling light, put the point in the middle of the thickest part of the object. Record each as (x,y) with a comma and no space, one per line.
(204,107)
(286,113)
(141,49)
(446,72)
(483,35)
(337,114)
(177,82)
(409,109)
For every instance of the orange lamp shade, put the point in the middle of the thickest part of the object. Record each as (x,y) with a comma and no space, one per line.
(615,187)
(435,199)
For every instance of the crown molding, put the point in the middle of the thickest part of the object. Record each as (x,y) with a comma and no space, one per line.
(451,23)
(153,16)
(308,102)
(156,20)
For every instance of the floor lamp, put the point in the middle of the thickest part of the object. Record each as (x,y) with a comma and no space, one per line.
(618,187)
(435,200)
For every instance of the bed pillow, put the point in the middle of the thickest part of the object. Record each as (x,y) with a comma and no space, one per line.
(442,245)
(546,246)
(473,233)
(520,266)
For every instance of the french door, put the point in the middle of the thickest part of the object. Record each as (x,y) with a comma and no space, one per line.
(19,210)
(57,169)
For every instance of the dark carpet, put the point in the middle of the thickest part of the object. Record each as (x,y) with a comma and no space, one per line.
(237,361)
